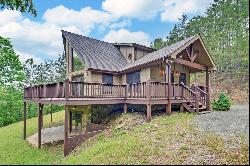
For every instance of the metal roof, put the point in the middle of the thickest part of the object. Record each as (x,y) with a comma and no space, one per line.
(96,54)
(100,55)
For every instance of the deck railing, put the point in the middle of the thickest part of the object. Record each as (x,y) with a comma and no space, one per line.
(74,89)
(95,90)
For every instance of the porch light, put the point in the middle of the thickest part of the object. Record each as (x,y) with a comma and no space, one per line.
(162,72)
(176,73)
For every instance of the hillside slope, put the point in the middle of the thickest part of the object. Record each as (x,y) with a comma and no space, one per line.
(166,140)
(129,140)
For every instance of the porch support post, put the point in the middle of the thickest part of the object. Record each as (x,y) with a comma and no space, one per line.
(24,120)
(125,107)
(51,113)
(149,117)
(197,97)
(40,114)
(70,121)
(181,108)
(168,107)
(207,90)
(66,128)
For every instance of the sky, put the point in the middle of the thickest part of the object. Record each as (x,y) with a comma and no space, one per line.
(137,21)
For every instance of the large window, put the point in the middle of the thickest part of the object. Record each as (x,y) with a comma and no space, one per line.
(107,78)
(133,77)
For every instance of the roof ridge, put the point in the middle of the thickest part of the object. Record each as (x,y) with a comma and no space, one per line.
(86,37)
(142,45)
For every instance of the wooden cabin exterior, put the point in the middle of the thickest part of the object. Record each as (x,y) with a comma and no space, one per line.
(125,73)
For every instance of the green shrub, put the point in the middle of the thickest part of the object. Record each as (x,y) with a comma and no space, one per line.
(222,104)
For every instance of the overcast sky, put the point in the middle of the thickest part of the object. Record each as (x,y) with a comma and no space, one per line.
(138,21)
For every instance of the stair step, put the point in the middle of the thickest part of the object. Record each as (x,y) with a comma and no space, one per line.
(204,112)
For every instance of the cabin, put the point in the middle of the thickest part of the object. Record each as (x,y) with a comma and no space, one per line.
(102,73)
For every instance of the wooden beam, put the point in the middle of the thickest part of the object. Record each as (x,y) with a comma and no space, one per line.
(168,107)
(125,107)
(24,120)
(70,121)
(190,64)
(50,113)
(40,114)
(197,96)
(149,116)
(194,57)
(66,130)
(148,92)
(188,54)
(207,90)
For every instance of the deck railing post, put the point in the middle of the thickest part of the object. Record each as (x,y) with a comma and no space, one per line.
(126,91)
(38,88)
(182,91)
(168,110)
(125,106)
(67,88)
(148,89)
(197,96)
(207,91)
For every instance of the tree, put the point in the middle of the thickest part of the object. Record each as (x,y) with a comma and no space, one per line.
(158,44)
(47,72)
(11,69)
(225,31)
(20,5)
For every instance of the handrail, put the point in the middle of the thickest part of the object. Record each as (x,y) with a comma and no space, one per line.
(187,88)
(199,89)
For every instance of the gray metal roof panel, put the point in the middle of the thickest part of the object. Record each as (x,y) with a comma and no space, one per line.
(96,54)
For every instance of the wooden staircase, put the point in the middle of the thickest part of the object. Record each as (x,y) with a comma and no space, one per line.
(194,100)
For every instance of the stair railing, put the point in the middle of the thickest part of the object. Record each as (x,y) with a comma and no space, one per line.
(188,94)
(202,96)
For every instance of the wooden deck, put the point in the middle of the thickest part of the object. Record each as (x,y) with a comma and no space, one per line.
(69,93)
(81,93)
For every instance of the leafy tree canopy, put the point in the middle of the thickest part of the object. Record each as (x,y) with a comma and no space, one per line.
(20,5)
(11,69)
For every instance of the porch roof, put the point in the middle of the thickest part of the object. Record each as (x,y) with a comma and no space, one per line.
(159,55)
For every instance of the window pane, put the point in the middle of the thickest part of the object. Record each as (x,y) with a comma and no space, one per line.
(77,63)
(107,78)
(182,78)
(133,77)
(130,78)
(136,78)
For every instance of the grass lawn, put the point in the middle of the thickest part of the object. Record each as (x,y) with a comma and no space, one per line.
(165,140)
(15,150)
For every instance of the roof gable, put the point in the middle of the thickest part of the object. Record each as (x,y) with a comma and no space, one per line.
(169,52)
(96,54)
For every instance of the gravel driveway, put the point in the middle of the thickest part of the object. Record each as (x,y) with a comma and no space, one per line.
(234,122)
